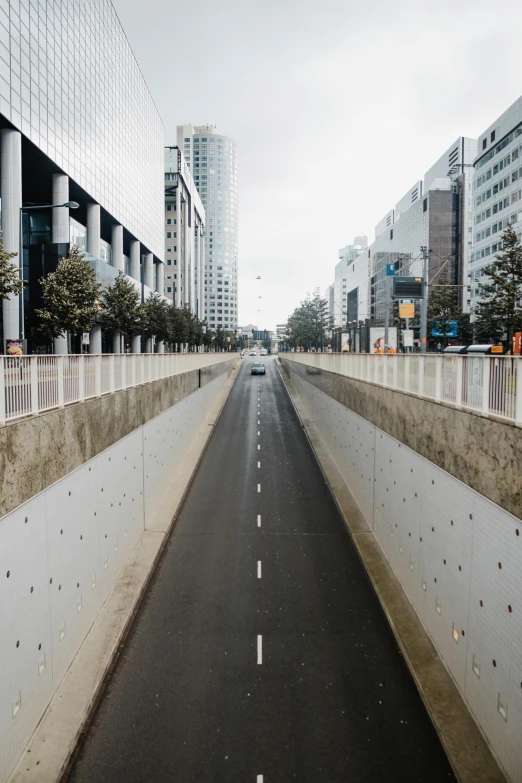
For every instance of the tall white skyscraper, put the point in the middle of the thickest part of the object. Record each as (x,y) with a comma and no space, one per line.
(213,162)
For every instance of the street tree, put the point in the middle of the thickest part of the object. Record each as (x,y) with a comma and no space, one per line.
(502,294)
(10,282)
(309,324)
(219,338)
(121,309)
(178,326)
(70,298)
(443,307)
(155,317)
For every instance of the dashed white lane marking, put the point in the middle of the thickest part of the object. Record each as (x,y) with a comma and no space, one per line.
(259,569)
(259,520)
(258,433)
(258,447)
(259,487)
(259,779)
(258,421)
(258,464)
(260,649)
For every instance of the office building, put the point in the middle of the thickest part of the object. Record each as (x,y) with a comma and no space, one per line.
(77,123)
(184,227)
(350,288)
(497,194)
(212,159)
(436,213)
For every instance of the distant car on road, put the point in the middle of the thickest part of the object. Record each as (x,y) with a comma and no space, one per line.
(252,353)
(263,352)
(258,368)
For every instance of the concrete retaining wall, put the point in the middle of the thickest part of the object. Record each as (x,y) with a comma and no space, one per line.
(37,451)
(457,555)
(62,551)
(484,453)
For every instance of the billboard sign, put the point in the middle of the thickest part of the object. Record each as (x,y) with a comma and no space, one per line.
(377,339)
(451,329)
(345,342)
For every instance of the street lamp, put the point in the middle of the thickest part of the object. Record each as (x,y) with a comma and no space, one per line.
(70,205)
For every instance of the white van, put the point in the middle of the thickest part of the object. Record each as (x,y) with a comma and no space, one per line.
(263,352)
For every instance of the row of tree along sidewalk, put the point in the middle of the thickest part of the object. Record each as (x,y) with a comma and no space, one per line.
(73,301)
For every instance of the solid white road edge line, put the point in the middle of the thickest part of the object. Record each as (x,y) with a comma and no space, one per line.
(260,649)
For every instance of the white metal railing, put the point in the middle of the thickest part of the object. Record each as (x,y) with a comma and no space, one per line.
(487,385)
(30,385)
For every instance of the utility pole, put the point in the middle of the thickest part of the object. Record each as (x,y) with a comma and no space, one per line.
(424,302)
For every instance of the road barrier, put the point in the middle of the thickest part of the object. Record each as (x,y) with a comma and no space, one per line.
(483,384)
(30,385)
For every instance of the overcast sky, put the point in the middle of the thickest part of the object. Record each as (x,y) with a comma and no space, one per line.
(338,107)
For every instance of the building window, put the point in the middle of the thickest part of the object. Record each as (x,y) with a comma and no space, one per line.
(425,205)
(492,136)
(391,233)
(484,143)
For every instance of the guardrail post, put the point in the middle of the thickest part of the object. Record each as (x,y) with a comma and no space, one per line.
(123,370)
(486,368)
(61,387)
(459,379)
(420,381)
(406,373)
(385,371)
(396,360)
(81,378)
(518,391)
(111,374)
(438,378)
(98,375)
(34,385)
(133,362)
(2,390)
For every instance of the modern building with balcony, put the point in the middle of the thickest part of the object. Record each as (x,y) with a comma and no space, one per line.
(184,235)
(77,124)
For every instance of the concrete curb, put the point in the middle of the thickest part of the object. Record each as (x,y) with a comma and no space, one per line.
(467,750)
(51,751)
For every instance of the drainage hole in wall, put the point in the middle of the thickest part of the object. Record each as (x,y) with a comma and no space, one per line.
(481,603)
(494,662)
(77,584)
(463,634)
(27,519)
(444,562)
(18,644)
(500,565)
(39,646)
(435,579)
(452,523)
(8,574)
(517,532)
(460,568)
(32,590)
(510,608)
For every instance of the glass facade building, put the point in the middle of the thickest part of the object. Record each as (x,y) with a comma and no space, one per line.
(214,165)
(76,114)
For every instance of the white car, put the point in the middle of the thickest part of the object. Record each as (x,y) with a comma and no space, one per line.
(263,352)
(252,353)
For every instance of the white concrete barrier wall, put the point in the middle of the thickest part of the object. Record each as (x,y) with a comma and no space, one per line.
(457,555)
(62,552)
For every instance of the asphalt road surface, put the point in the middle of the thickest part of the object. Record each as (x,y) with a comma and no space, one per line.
(260,653)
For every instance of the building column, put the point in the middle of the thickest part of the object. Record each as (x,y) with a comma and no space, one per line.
(161,346)
(61,229)
(136,343)
(148,345)
(95,341)
(149,270)
(117,247)
(116,342)
(177,272)
(93,230)
(201,272)
(135,258)
(11,195)
(187,288)
(160,278)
